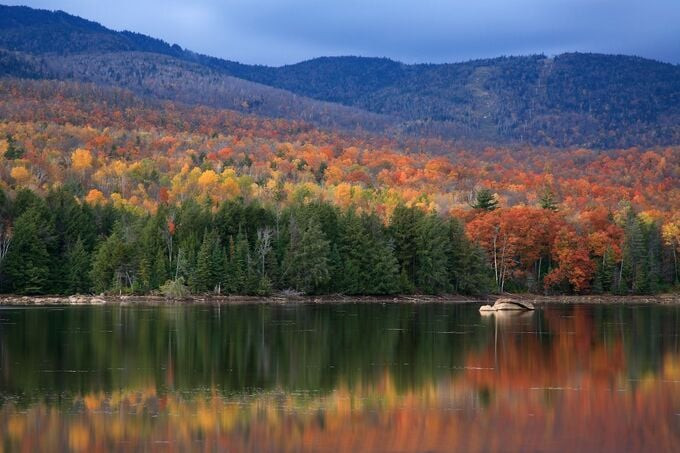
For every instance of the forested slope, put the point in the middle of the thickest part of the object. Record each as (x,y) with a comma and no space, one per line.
(587,100)
(101,190)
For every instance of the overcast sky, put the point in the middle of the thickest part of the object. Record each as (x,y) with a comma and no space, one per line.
(276,32)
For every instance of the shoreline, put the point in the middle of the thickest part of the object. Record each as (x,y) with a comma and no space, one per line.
(284,299)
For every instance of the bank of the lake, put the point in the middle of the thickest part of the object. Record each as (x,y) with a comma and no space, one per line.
(47,300)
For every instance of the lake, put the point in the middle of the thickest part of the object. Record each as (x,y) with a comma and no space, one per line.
(340,377)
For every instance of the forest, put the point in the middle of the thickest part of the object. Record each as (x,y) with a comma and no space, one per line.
(568,100)
(106,192)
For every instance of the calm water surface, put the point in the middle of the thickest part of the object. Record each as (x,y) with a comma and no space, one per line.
(347,377)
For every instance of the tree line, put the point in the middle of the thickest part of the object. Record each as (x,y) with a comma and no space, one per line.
(58,245)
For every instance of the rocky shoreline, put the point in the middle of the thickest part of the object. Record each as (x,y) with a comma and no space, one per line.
(86,300)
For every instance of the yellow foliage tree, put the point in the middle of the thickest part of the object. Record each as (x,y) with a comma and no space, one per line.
(94,196)
(230,188)
(207,179)
(81,159)
(20,174)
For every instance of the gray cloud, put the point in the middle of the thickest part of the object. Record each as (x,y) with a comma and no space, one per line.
(286,31)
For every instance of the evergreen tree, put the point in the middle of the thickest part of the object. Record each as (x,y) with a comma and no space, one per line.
(218,263)
(160,269)
(468,267)
(27,263)
(403,230)
(638,255)
(14,150)
(353,251)
(604,274)
(485,200)
(243,278)
(432,274)
(113,266)
(381,272)
(77,267)
(547,200)
(306,261)
(384,269)
(210,263)
(201,279)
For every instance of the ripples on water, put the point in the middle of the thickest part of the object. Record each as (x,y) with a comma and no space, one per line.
(347,377)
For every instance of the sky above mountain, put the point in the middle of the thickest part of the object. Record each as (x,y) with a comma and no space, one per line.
(276,32)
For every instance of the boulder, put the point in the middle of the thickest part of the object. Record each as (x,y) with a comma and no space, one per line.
(508,304)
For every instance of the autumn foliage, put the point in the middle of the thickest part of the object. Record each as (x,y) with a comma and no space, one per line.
(137,155)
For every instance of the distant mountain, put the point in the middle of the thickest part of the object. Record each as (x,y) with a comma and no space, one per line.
(588,100)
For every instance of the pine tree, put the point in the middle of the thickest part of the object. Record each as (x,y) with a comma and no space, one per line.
(604,275)
(381,269)
(201,278)
(152,269)
(77,269)
(306,260)
(27,263)
(403,230)
(432,275)
(160,269)
(469,271)
(242,278)
(384,269)
(113,266)
(353,255)
(230,276)
(638,252)
(547,200)
(485,200)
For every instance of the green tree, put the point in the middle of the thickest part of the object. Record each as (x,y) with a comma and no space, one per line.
(353,255)
(432,274)
(403,229)
(306,261)
(548,200)
(27,263)
(77,265)
(485,200)
(113,266)
(14,150)
(209,265)
(469,271)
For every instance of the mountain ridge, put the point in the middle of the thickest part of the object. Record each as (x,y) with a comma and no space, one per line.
(572,99)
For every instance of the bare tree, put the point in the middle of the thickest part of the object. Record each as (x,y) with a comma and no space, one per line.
(264,246)
(5,241)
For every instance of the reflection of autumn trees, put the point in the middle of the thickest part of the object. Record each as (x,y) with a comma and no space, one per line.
(542,382)
(438,416)
(564,353)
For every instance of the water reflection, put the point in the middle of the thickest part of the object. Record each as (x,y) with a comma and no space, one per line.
(340,377)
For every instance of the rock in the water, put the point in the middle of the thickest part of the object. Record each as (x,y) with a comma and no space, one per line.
(508,304)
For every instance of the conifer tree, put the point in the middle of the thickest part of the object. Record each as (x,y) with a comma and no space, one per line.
(353,252)
(306,261)
(432,275)
(403,230)
(202,277)
(27,263)
(77,267)
(547,200)
(485,200)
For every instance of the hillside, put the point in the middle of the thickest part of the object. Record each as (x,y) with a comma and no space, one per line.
(128,173)
(586,100)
